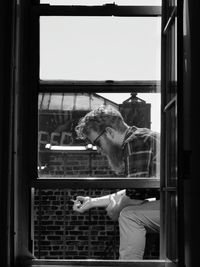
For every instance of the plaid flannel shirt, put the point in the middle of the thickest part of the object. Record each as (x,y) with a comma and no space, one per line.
(141,157)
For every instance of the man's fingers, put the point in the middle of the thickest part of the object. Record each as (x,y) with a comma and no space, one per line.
(80,198)
(77,206)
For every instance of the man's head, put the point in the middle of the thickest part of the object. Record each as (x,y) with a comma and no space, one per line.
(105,128)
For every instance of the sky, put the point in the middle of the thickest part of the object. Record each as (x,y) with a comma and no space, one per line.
(100,48)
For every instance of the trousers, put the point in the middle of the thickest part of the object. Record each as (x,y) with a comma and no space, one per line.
(134,222)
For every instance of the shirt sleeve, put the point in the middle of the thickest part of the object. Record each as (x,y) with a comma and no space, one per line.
(118,202)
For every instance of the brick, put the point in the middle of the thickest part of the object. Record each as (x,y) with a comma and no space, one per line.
(75,223)
(46,222)
(53,237)
(82,237)
(53,228)
(61,229)
(76,233)
(55,253)
(45,243)
(61,223)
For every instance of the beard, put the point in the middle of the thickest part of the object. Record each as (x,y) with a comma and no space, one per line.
(115,158)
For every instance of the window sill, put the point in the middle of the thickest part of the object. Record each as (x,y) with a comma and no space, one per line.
(94,182)
(102,263)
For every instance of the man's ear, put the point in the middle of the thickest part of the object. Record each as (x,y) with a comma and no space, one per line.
(110,132)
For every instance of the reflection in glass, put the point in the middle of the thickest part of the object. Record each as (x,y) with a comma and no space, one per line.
(61,153)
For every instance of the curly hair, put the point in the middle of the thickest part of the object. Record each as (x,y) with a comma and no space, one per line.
(98,119)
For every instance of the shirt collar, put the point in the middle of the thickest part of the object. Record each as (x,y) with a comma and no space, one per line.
(129,132)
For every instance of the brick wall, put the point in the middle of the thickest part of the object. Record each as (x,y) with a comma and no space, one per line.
(74,164)
(61,233)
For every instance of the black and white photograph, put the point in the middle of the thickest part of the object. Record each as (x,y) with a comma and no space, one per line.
(99,162)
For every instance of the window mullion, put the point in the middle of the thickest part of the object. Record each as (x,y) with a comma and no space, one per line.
(94,182)
(104,10)
(99,86)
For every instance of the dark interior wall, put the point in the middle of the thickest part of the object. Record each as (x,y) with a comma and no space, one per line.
(14,80)
(191,133)
(6,122)
(23,130)
(192,183)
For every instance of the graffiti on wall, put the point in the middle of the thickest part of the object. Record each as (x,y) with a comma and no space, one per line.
(57,128)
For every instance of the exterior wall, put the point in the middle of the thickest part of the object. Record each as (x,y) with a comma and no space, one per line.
(74,164)
(64,234)
(61,233)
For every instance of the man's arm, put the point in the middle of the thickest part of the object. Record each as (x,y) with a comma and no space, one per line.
(112,202)
(81,204)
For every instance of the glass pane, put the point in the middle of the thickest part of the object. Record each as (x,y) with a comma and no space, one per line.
(103,2)
(100,48)
(61,153)
(61,233)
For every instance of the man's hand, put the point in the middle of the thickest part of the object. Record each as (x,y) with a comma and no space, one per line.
(81,204)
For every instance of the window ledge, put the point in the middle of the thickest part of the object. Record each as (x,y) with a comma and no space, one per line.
(94,182)
(102,263)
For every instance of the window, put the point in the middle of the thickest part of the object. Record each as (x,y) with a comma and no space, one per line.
(62,90)
(59,149)
(63,159)
(92,52)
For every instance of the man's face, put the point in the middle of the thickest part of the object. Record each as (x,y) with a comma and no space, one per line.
(110,149)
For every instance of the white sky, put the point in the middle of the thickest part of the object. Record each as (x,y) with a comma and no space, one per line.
(100,48)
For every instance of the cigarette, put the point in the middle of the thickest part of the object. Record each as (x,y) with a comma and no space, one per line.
(75,201)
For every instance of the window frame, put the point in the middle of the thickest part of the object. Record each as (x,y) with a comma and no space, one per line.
(171,101)
(38,10)
(110,86)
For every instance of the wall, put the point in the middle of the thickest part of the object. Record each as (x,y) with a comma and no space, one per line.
(73,164)
(61,233)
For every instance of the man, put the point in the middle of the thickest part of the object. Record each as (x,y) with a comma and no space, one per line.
(131,150)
